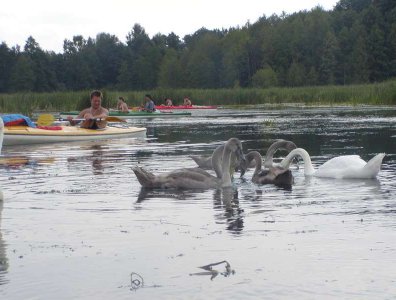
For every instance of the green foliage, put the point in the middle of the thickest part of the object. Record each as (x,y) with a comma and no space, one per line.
(124,77)
(328,63)
(264,78)
(296,74)
(170,70)
(22,76)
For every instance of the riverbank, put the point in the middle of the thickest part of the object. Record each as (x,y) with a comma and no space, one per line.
(383,93)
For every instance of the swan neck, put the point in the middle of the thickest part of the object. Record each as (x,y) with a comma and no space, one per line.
(216,161)
(281,144)
(308,167)
(225,168)
(256,156)
(268,160)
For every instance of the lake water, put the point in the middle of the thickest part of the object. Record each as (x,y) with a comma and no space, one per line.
(75,223)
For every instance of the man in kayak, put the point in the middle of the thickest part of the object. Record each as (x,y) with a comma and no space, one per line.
(94,116)
(149,105)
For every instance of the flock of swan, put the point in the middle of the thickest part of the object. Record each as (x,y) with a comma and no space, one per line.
(228,157)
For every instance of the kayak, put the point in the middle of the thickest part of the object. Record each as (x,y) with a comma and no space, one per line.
(195,110)
(134,114)
(184,107)
(22,135)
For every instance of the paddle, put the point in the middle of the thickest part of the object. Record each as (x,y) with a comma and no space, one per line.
(48,119)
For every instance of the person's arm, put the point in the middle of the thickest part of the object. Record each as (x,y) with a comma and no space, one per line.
(104,113)
(81,115)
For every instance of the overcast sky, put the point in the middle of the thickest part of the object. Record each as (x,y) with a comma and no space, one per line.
(52,21)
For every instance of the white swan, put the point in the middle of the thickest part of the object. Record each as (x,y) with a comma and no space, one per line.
(194,178)
(346,166)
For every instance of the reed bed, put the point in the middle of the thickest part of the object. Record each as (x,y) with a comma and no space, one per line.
(383,93)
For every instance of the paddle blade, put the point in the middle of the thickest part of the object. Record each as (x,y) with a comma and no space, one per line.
(114,119)
(45,120)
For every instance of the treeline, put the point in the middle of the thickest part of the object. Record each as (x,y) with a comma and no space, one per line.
(353,43)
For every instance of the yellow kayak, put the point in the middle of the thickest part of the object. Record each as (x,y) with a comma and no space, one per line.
(22,135)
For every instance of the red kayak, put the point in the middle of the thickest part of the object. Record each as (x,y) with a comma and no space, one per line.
(163,107)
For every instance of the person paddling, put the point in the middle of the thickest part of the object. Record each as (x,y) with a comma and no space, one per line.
(93,113)
(121,105)
(149,105)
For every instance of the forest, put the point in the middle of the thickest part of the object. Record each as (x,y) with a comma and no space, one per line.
(355,43)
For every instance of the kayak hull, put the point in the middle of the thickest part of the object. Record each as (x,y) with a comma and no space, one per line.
(23,135)
(184,107)
(134,114)
(195,110)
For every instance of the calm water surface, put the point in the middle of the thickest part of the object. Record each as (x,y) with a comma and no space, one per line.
(75,223)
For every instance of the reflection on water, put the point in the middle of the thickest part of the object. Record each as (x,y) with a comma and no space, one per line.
(3,254)
(225,203)
(22,161)
(321,238)
(146,193)
(95,157)
(226,200)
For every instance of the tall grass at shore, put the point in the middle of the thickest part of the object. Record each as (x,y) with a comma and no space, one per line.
(383,93)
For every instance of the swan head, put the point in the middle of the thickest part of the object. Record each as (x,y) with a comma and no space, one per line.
(234,145)
(252,158)
(275,175)
(285,179)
